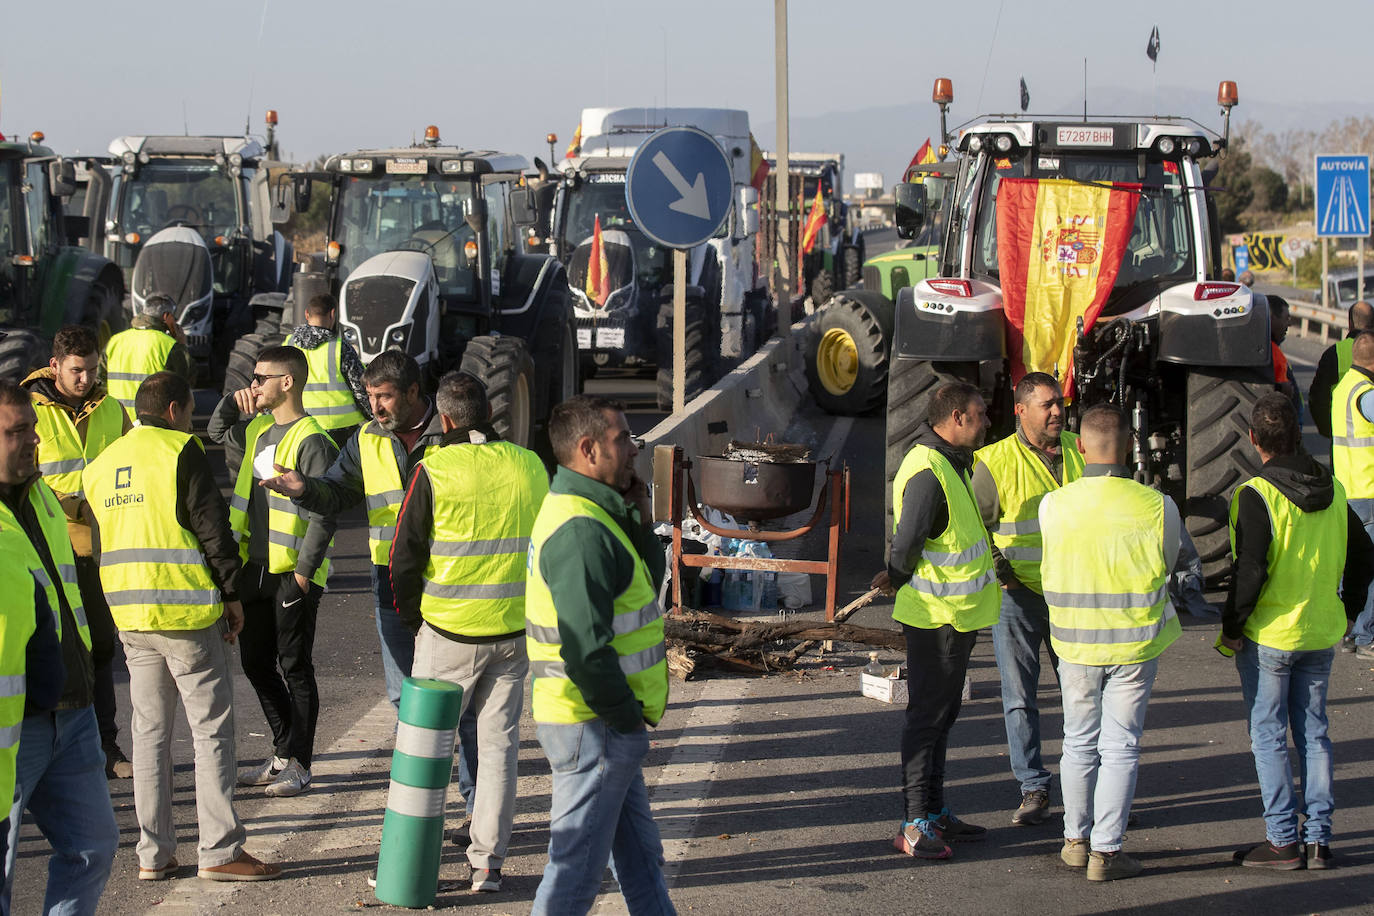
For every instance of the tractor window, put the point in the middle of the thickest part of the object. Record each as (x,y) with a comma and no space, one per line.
(10,243)
(168,192)
(411,213)
(495,193)
(591,199)
(39,206)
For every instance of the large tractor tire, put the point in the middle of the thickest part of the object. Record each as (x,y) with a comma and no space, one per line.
(854,264)
(822,288)
(846,358)
(104,312)
(1219,457)
(911,383)
(243,358)
(21,352)
(566,382)
(695,368)
(504,365)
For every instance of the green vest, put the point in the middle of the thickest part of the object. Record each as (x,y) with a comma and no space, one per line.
(286,522)
(1299,607)
(383,488)
(1105,574)
(1022,480)
(953,582)
(1345,356)
(485,501)
(53,521)
(151,568)
(1352,436)
(62,454)
(17,625)
(327,396)
(130,357)
(636,624)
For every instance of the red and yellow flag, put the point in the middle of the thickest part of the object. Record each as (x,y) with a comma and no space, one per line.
(924,156)
(575,146)
(1060,245)
(598,269)
(758,165)
(814,220)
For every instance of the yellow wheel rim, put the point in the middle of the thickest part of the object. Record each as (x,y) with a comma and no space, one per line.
(837,361)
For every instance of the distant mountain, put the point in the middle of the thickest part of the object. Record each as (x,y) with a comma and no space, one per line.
(883,139)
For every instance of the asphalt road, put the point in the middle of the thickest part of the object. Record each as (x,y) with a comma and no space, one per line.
(780,793)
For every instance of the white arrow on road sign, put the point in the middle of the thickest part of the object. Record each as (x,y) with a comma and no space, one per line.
(693,201)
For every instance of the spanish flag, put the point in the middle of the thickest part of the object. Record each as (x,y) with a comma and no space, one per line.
(758,165)
(814,220)
(575,146)
(1060,245)
(598,270)
(924,156)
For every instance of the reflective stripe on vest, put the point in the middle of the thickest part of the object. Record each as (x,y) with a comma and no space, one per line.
(17,625)
(636,624)
(327,396)
(1299,608)
(1352,436)
(53,521)
(286,522)
(1104,572)
(1022,480)
(62,453)
(485,498)
(130,357)
(382,483)
(954,581)
(153,572)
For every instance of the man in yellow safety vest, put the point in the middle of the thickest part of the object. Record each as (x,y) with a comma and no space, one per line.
(1334,363)
(1352,463)
(1303,566)
(1108,546)
(77,420)
(334,395)
(154,342)
(168,561)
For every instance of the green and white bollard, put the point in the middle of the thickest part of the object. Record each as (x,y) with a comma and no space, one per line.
(413,828)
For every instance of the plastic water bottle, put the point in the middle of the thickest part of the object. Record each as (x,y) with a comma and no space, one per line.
(873,667)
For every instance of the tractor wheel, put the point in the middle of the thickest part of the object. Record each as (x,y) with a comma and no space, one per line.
(846,358)
(243,358)
(854,264)
(911,383)
(695,368)
(1219,458)
(505,367)
(21,352)
(822,288)
(567,381)
(104,313)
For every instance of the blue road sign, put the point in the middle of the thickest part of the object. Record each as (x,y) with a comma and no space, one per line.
(1242,255)
(1342,196)
(679,187)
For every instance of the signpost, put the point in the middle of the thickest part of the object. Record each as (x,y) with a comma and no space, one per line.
(1342,207)
(679,190)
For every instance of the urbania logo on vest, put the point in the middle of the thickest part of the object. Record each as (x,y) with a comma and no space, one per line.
(123,500)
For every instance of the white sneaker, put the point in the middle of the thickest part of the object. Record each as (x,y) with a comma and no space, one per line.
(292,781)
(263,774)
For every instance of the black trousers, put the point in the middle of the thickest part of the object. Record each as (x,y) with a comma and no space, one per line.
(936,662)
(277,648)
(104,639)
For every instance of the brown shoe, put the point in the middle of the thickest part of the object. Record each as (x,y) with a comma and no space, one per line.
(244,868)
(158,874)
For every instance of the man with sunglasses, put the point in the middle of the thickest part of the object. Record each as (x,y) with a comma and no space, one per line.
(283,548)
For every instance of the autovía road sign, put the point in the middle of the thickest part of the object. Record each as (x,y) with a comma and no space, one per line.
(679,187)
(1342,196)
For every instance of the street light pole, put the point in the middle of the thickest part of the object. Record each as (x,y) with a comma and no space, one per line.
(782,260)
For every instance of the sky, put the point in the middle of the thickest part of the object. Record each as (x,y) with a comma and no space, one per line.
(347,74)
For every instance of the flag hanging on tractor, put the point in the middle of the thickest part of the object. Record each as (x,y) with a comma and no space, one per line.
(758,165)
(575,146)
(1060,245)
(814,220)
(924,156)
(598,287)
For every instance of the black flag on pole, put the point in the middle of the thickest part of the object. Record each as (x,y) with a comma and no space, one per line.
(1025,95)
(1152,49)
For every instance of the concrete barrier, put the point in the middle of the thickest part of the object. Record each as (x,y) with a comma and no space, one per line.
(754,401)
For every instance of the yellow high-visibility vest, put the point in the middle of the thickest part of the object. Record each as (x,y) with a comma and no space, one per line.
(17,626)
(53,521)
(954,582)
(151,568)
(130,357)
(637,624)
(62,455)
(327,396)
(1352,436)
(1105,573)
(383,489)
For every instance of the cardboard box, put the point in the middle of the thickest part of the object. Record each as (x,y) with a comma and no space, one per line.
(884,689)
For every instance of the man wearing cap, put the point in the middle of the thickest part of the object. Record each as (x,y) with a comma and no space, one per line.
(154,342)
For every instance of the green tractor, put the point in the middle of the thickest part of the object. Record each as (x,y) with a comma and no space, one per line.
(46,283)
(851,337)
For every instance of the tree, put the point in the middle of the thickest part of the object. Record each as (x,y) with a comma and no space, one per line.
(1234,192)
(1270,190)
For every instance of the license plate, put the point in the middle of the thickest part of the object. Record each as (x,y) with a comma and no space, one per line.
(1085,136)
(611,338)
(407,166)
(584,338)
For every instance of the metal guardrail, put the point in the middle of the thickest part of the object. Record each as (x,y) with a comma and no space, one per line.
(1313,319)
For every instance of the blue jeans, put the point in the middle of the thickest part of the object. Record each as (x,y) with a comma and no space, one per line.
(1023,626)
(1284,690)
(600,812)
(398,658)
(1104,717)
(1363,631)
(60,779)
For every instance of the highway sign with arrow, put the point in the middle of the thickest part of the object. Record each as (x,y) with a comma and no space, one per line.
(1342,196)
(679,187)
